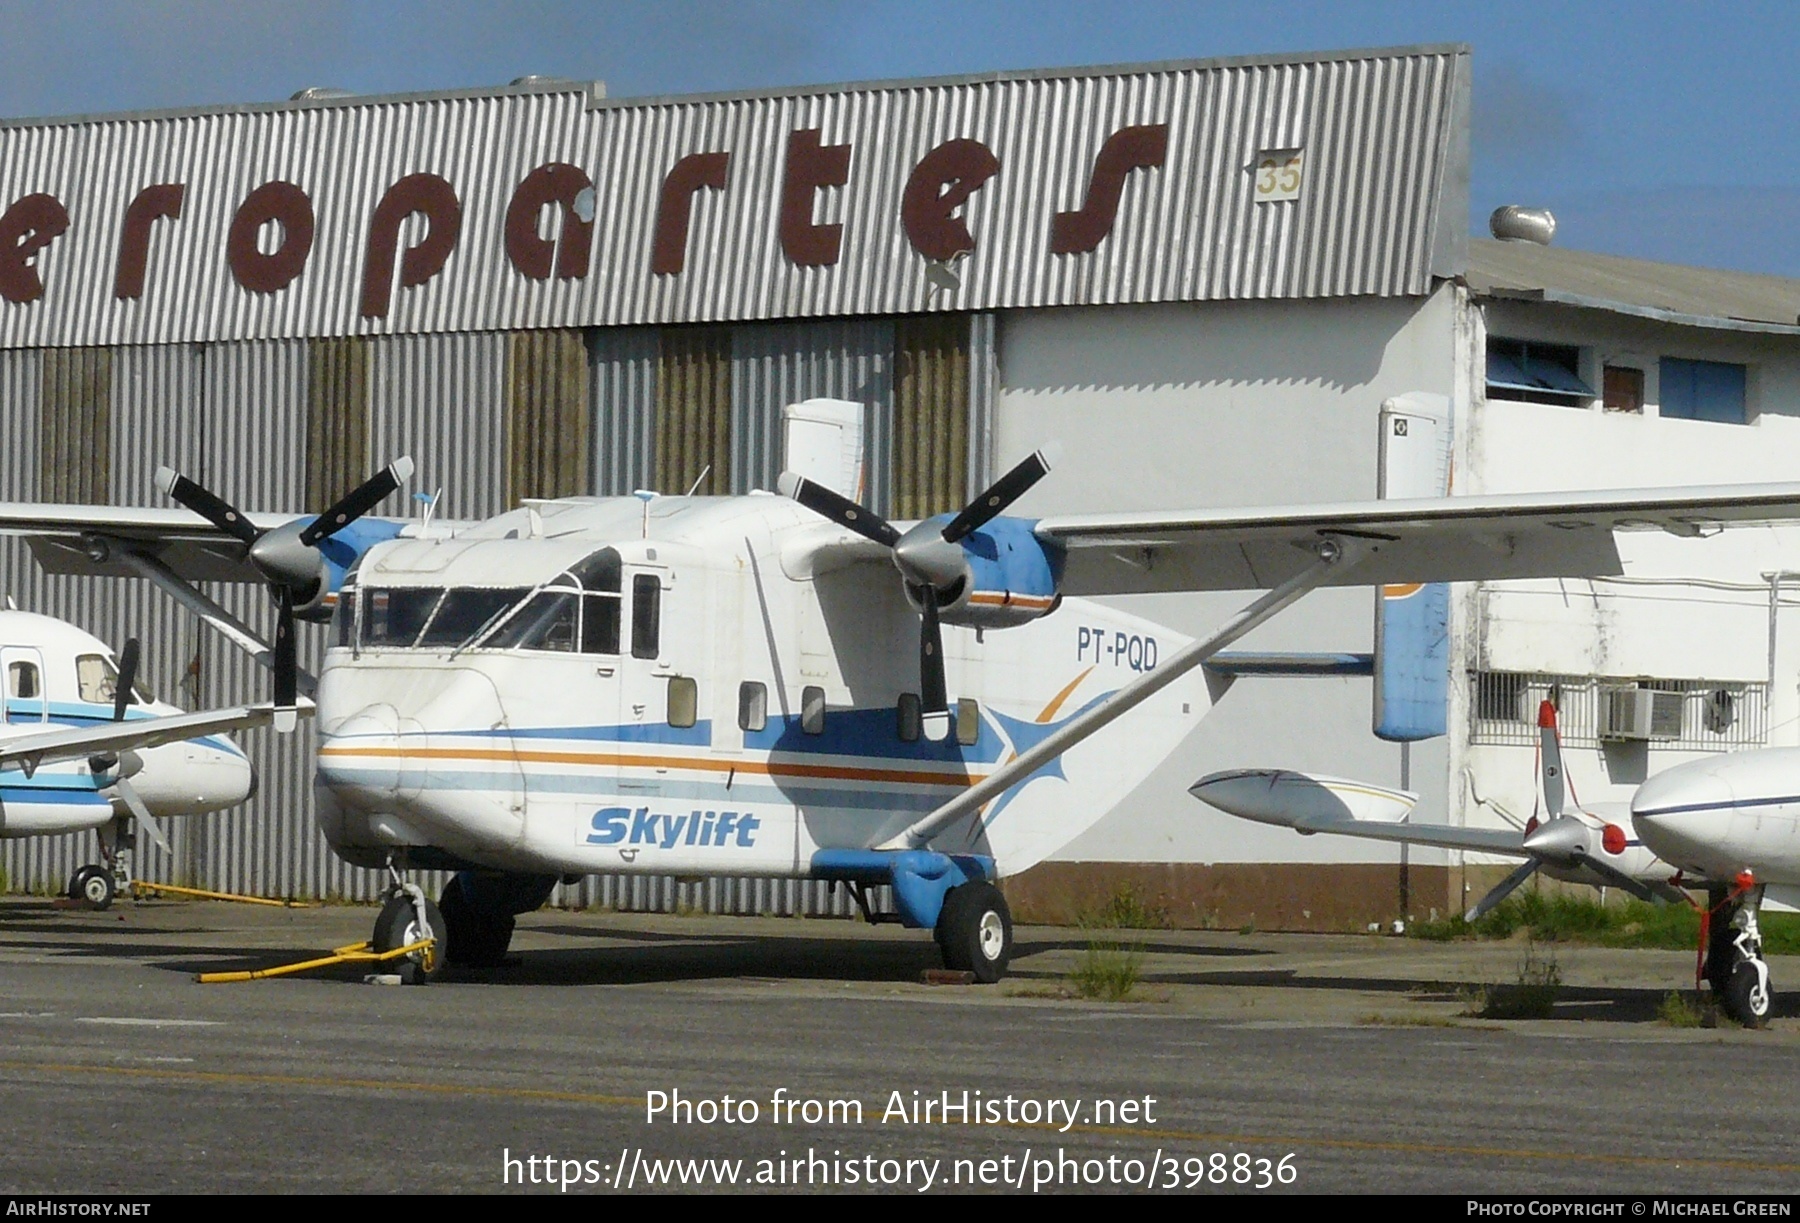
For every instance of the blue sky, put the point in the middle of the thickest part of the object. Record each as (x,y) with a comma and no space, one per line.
(1657,130)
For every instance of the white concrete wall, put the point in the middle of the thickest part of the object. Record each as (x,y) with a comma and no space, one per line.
(1243,403)
(1684,609)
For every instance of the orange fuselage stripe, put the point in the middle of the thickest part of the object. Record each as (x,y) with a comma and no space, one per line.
(625,760)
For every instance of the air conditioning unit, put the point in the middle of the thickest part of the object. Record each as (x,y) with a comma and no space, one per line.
(1640,714)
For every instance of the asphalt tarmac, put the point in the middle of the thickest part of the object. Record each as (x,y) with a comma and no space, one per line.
(623,1052)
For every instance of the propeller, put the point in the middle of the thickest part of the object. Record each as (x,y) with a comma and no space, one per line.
(287,557)
(930,559)
(1561,840)
(124,765)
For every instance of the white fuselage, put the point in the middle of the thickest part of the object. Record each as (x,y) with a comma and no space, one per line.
(54,676)
(1717,817)
(738,707)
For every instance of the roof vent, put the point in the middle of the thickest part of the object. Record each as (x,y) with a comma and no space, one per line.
(539,81)
(319,93)
(1516,224)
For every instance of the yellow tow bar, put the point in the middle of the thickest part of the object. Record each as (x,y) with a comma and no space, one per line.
(352,953)
(139,889)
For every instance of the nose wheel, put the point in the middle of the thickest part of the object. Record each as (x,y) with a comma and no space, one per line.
(407,917)
(1735,967)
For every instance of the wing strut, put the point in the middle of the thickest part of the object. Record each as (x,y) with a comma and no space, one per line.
(223,622)
(1333,555)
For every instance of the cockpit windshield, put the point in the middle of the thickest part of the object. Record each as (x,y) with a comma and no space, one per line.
(576,612)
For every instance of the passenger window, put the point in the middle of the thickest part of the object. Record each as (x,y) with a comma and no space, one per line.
(911,719)
(753,705)
(646,615)
(812,710)
(684,701)
(22,681)
(968,722)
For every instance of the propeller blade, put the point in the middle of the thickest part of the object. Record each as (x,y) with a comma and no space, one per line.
(1004,491)
(371,493)
(286,665)
(1550,754)
(934,701)
(1506,887)
(1619,878)
(215,510)
(128,666)
(145,821)
(828,503)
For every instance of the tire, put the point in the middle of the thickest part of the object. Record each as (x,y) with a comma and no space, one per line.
(1721,957)
(1747,999)
(92,886)
(974,931)
(477,939)
(398,925)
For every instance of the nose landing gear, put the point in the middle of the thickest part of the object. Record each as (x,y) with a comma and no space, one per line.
(407,917)
(1734,966)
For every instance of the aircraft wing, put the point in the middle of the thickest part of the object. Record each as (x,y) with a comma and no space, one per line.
(77,742)
(1427,540)
(63,539)
(1309,803)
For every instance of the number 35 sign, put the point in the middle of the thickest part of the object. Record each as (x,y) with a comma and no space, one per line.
(1277,175)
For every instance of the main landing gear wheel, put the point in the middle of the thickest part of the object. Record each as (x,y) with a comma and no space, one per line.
(974,931)
(1747,994)
(92,886)
(478,938)
(398,926)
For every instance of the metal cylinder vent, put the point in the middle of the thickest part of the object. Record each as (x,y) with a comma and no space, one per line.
(1513,223)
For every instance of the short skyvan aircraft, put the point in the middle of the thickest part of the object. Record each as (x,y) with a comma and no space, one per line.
(84,746)
(785,686)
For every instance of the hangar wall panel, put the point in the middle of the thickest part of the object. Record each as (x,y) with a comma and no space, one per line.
(1382,181)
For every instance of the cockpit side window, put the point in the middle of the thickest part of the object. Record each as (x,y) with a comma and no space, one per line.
(97,680)
(547,622)
(599,572)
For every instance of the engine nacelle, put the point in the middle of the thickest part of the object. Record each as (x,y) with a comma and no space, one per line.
(1009,578)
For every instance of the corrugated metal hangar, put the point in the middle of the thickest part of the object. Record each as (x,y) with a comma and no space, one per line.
(1205,278)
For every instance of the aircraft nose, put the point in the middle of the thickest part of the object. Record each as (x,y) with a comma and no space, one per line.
(1677,812)
(360,756)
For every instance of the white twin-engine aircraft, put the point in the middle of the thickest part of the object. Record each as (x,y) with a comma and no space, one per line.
(84,746)
(785,686)
(1728,825)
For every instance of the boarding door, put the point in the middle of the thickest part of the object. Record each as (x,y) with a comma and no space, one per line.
(22,669)
(657,700)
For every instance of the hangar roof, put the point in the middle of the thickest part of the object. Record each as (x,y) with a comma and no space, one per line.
(1696,297)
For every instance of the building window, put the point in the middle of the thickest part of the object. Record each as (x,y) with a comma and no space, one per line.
(1623,389)
(1536,373)
(1704,390)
